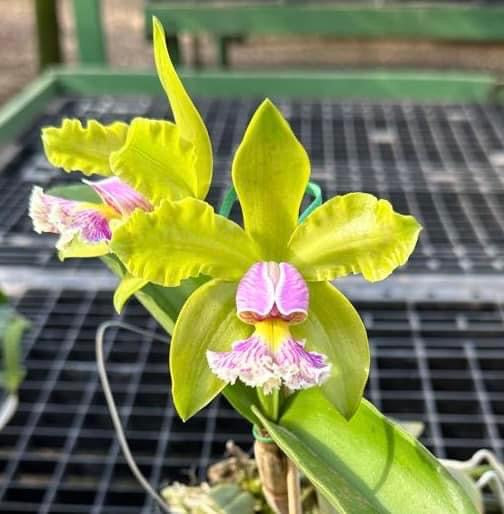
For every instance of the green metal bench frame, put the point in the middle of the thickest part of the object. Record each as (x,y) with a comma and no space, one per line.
(380,85)
(84,79)
(435,22)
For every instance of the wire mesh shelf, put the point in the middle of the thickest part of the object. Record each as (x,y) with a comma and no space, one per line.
(439,364)
(443,163)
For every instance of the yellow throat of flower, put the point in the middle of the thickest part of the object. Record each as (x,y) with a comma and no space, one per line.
(106,210)
(273,332)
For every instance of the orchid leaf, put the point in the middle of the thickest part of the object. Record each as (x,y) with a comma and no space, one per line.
(156,161)
(180,240)
(186,115)
(86,149)
(270,174)
(365,465)
(207,321)
(335,329)
(127,287)
(353,233)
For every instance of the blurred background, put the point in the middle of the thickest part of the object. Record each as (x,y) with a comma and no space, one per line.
(127,46)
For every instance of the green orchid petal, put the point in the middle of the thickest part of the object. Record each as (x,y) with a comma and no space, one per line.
(186,115)
(207,321)
(270,174)
(156,161)
(180,240)
(128,286)
(335,329)
(353,233)
(77,248)
(86,149)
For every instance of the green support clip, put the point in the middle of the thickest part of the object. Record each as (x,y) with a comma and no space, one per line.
(312,189)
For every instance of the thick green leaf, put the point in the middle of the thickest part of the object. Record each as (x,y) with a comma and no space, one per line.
(86,149)
(270,174)
(335,329)
(186,115)
(156,161)
(353,233)
(365,465)
(207,321)
(180,240)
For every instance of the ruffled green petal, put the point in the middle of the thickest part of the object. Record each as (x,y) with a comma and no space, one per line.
(335,329)
(353,233)
(270,174)
(207,321)
(156,161)
(180,240)
(186,115)
(86,149)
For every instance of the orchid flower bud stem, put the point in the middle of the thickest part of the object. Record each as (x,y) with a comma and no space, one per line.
(270,402)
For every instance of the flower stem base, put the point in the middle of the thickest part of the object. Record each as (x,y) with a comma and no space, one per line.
(273,466)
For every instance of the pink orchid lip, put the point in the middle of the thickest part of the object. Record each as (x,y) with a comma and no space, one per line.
(256,365)
(119,195)
(272,296)
(272,290)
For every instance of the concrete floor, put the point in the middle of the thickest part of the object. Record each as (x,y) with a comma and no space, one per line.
(127,47)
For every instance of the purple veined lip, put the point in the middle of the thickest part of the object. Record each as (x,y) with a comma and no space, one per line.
(272,290)
(256,365)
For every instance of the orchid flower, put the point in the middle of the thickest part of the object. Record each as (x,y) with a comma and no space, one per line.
(144,163)
(269,317)
(91,223)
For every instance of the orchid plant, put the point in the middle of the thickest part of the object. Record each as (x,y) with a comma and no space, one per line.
(252,309)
